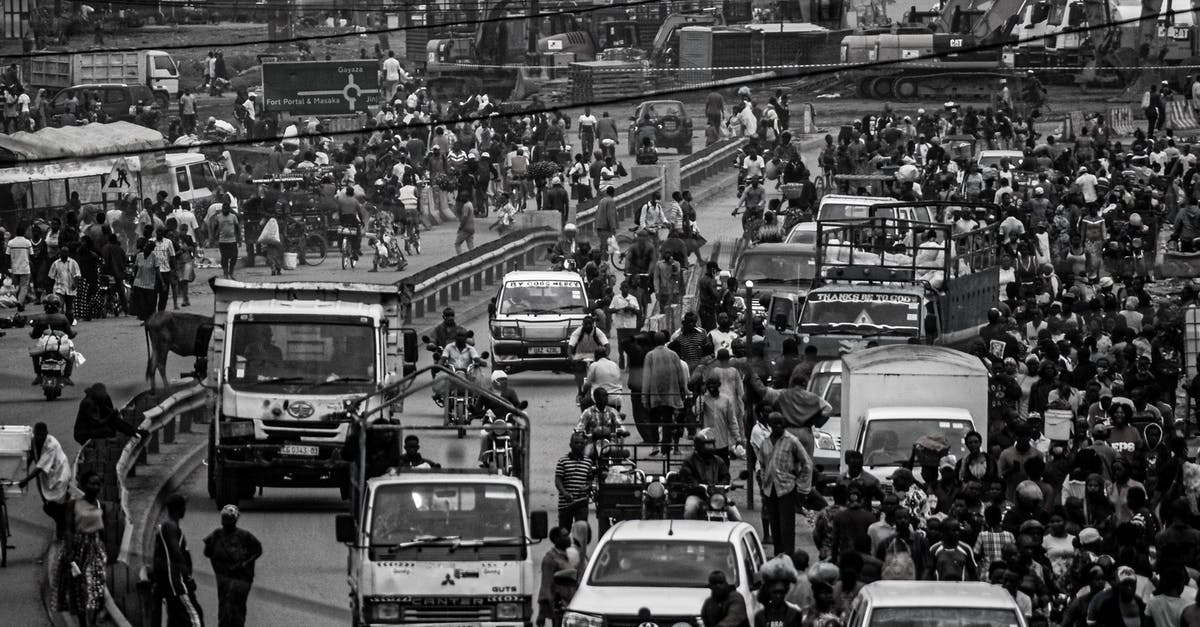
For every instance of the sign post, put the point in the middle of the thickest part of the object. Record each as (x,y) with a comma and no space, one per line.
(320,87)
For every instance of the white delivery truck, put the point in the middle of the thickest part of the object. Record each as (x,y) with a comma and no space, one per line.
(894,395)
(439,546)
(285,361)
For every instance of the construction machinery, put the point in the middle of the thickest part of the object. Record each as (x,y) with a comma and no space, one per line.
(599,36)
(936,56)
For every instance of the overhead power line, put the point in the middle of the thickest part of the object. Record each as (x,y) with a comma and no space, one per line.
(651,95)
(328,36)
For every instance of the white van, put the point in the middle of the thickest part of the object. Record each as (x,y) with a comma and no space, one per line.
(534,315)
(192,178)
(846,207)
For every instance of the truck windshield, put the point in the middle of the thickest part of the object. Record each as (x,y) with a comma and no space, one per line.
(662,564)
(890,442)
(542,297)
(862,312)
(793,269)
(271,352)
(942,616)
(414,518)
(842,211)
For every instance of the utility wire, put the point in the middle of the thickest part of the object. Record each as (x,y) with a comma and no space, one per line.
(308,38)
(651,95)
(167,7)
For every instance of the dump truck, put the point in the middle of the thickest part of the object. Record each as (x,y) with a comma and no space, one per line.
(153,68)
(284,362)
(888,280)
(894,396)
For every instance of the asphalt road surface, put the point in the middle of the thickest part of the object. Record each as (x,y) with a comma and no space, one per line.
(301,579)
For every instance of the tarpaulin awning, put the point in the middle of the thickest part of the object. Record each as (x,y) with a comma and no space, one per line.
(54,171)
(89,140)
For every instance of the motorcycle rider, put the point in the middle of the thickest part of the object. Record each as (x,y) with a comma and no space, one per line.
(51,321)
(497,410)
(600,421)
(444,333)
(459,355)
(566,248)
(703,466)
(581,348)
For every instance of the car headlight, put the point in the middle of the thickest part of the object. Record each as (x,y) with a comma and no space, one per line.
(825,440)
(716,501)
(506,333)
(508,611)
(575,619)
(386,610)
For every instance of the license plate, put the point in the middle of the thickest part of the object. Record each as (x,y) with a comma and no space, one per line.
(670,126)
(544,350)
(299,450)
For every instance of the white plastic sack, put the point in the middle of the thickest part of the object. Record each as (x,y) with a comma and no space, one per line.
(56,342)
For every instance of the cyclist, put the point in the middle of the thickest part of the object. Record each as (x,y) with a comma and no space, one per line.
(351,217)
(752,201)
(410,214)
(518,167)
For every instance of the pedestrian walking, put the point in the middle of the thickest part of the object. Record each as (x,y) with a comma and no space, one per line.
(171,576)
(466,223)
(572,478)
(19,251)
(164,254)
(81,578)
(233,552)
(664,386)
(49,465)
(785,479)
(555,560)
(145,282)
(229,238)
(65,275)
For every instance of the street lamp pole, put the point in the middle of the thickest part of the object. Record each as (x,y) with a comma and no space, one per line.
(748,334)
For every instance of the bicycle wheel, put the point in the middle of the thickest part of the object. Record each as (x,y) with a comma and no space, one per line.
(312,250)
(819,184)
(617,260)
(344,248)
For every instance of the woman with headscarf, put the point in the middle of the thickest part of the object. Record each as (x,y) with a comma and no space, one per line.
(778,576)
(97,418)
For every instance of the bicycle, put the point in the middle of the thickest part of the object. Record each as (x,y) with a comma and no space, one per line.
(346,235)
(298,238)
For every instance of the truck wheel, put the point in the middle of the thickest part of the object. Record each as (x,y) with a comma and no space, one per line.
(226,488)
(164,101)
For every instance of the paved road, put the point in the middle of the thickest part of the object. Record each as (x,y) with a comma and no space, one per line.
(115,351)
(297,588)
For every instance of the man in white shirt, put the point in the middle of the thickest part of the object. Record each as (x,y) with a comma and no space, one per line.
(65,275)
(1087,185)
(184,216)
(587,131)
(604,374)
(19,249)
(391,75)
(52,469)
(623,313)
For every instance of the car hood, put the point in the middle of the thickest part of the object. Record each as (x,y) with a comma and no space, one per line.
(626,601)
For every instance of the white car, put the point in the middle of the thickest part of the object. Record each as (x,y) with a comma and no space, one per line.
(663,566)
(891,603)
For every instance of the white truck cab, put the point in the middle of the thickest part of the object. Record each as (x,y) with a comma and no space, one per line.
(432,547)
(663,566)
(534,315)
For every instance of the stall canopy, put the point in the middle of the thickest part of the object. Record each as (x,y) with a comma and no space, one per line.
(91,144)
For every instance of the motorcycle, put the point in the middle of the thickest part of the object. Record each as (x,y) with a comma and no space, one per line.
(52,368)
(717,505)
(654,497)
(498,456)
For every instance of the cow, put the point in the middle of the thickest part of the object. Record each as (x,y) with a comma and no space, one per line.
(184,334)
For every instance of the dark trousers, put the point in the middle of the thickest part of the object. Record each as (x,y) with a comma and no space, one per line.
(708,318)
(164,289)
(641,416)
(780,512)
(662,419)
(68,306)
(229,255)
(568,515)
(58,513)
(1151,120)
(231,601)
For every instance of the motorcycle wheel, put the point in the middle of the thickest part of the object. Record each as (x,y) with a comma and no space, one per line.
(51,392)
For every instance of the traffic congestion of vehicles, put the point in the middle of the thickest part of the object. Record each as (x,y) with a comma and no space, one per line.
(943,373)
